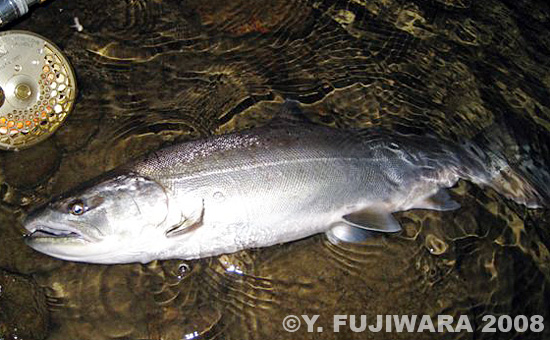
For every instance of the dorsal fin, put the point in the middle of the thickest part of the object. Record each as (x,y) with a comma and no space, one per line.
(292,112)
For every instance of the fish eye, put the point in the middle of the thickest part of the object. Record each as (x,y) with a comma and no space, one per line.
(77,208)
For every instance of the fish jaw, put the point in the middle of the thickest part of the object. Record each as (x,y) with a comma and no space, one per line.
(65,244)
(59,247)
(53,241)
(38,233)
(39,230)
(60,240)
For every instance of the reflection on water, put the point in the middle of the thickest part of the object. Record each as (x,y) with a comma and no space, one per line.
(156,72)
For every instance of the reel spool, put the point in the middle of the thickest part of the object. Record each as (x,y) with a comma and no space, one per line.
(37,89)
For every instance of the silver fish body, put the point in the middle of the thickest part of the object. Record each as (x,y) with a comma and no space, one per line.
(255,188)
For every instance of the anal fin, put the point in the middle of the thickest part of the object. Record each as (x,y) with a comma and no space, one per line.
(440,201)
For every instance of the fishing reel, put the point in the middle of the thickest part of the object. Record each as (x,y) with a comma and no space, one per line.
(37,83)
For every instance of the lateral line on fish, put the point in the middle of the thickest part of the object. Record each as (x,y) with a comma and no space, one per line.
(270,164)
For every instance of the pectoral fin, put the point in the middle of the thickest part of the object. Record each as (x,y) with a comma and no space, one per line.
(373,219)
(186,224)
(440,201)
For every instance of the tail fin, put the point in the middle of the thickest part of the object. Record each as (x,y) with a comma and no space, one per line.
(514,183)
(511,166)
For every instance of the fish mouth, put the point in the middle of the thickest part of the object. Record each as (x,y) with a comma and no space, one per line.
(47,233)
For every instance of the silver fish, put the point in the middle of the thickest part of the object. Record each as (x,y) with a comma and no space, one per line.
(262,187)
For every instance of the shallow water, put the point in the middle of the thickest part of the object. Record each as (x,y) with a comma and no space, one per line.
(151,73)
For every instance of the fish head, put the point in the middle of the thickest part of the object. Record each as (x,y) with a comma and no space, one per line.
(113,220)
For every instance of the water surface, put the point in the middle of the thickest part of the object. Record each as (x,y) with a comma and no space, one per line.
(156,72)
